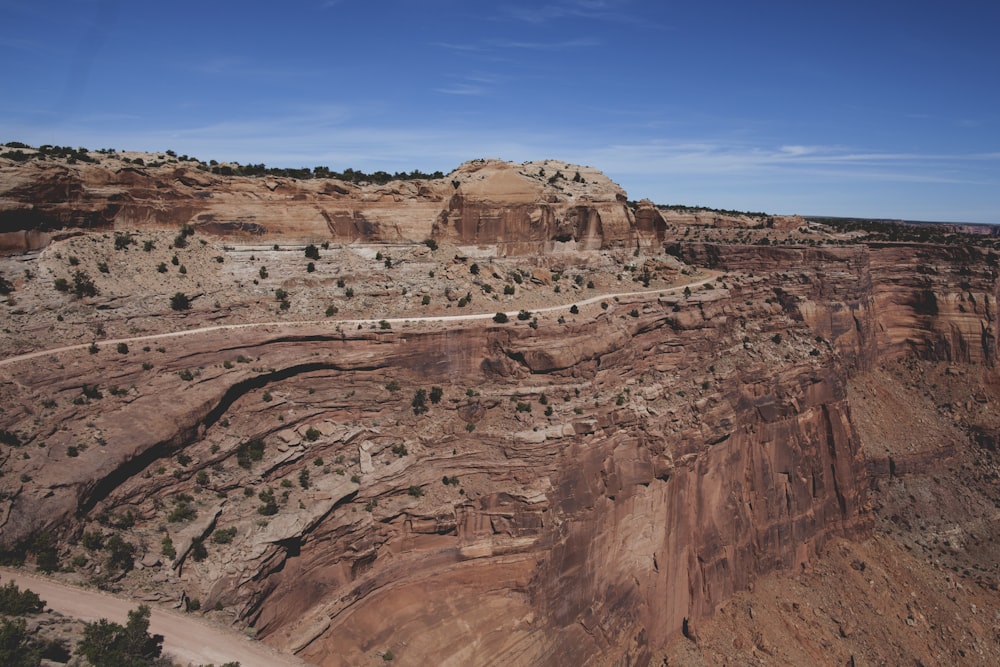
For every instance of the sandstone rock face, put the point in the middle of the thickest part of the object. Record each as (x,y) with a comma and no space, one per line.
(513,209)
(939,302)
(578,485)
(678,463)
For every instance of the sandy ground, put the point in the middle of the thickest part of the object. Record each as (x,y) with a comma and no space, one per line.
(187,640)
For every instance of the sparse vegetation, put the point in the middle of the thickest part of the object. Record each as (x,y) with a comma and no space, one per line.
(180,301)
(224,535)
(269,505)
(250,452)
(106,644)
(15,602)
(419,402)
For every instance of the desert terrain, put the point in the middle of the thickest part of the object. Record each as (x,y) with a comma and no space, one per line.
(506,416)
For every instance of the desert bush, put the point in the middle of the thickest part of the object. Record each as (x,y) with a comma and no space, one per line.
(269,506)
(182,511)
(224,535)
(83,285)
(15,602)
(249,452)
(107,644)
(120,553)
(419,403)
(167,548)
(180,301)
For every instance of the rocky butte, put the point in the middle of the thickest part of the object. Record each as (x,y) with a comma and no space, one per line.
(506,416)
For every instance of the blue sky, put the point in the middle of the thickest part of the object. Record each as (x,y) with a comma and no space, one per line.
(878,109)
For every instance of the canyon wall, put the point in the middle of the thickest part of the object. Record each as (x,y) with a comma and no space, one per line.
(880,301)
(512,209)
(688,451)
(576,488)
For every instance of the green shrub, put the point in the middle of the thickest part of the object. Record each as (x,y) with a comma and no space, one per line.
(224,535)
(269,505)
(180,301)
(15,602)
(182,511)
(10,438)
(198,551)
(120,554)
(167,548)
(83,285)
(123,240)
(106,644)
(419,402)
(250,451)
(92,540)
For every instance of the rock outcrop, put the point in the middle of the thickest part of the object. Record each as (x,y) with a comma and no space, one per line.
(511,208)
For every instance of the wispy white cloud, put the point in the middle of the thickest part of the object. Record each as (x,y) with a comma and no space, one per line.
(618,11)
(494,45)
(460,47)
(232,67)
(790,161)
(588,9)
(547,46)
(462,89)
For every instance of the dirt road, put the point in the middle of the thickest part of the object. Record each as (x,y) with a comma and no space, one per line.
(348,323)
(187,639)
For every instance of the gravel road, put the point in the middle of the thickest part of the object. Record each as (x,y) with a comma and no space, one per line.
(187,639)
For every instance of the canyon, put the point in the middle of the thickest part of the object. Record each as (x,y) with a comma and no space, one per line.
(506,416)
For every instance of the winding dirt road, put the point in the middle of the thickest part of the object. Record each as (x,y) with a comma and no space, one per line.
(187,639)
(335,323)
